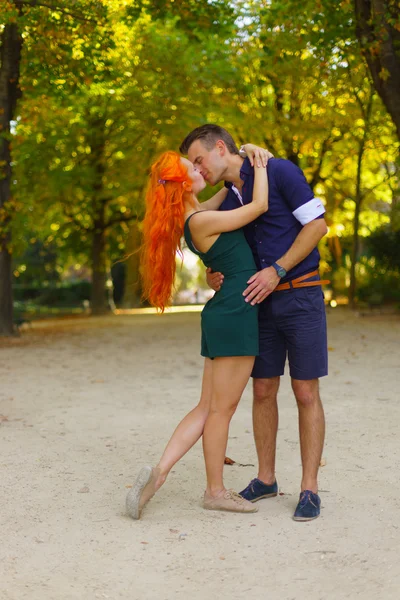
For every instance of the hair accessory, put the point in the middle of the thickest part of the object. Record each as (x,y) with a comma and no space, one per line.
(162,181)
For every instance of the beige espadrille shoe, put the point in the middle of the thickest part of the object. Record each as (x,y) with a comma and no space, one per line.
(142,491)
(230,501)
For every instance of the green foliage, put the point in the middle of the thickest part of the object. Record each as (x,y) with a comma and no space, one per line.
(108,86)
(86,135)
(62,295)
(384,244)
(37,265)
(196,19)
(376,284)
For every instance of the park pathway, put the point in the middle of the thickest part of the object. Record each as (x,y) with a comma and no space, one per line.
(84,403)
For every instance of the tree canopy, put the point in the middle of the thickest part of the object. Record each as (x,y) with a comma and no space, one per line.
(91,92)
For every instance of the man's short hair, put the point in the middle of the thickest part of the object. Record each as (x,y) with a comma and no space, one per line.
(209,135)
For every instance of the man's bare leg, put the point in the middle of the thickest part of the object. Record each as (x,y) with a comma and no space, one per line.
(312,430)
(265,425)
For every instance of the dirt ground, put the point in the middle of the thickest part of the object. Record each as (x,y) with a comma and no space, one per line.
(84,403)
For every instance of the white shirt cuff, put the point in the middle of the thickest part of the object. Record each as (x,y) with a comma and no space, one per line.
(309,211)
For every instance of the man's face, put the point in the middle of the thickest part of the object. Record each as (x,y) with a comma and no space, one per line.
(211,163)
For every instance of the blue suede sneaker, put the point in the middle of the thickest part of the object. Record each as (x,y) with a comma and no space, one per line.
(308,507)
(257,489)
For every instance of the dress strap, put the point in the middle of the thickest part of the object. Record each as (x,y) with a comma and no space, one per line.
(192,247)
(192,215)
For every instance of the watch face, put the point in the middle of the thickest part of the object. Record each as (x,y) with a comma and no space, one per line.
(281,272)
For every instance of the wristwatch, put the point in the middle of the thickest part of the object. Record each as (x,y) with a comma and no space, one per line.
(280,270)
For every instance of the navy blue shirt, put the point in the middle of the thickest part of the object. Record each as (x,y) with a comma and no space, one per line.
(291,204)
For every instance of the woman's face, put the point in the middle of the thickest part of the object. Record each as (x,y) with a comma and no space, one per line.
(195,175)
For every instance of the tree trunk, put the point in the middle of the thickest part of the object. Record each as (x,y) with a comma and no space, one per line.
(6,297)
(133,282)
(96,139)
(358,201)
(380,43)
(10,56)
(395,209)
(98,299)
(354,250)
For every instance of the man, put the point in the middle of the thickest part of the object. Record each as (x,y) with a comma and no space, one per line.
(292,320)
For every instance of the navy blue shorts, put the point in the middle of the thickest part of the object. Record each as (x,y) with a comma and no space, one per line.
(292,324)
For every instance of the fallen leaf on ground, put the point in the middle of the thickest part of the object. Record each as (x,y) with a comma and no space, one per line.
(128,486)
(83,490)
(322,462)
(229,461)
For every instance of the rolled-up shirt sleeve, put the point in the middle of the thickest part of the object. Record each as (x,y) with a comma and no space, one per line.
(297,193)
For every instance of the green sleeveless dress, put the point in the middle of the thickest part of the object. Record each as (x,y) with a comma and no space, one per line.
(229,325)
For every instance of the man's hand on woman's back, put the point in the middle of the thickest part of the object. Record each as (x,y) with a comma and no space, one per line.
(214,280)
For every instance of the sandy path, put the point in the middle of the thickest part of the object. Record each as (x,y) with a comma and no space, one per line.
(85,403)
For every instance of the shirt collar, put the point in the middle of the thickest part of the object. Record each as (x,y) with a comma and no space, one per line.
(246,169)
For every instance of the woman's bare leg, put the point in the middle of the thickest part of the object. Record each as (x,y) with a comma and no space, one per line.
(229,378)
(187,433)
(189,430)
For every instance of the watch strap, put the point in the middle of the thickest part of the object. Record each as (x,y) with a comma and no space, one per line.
(279,269)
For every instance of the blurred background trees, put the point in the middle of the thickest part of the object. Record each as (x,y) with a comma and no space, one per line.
(91,92)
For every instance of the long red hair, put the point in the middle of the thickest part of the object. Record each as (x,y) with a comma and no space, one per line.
(163,227)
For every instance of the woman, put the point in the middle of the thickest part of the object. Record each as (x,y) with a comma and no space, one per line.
(229,324)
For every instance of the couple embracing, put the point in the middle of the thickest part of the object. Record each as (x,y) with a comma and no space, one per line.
(258,239)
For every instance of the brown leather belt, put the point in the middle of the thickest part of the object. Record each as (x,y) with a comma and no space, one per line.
(299,282)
